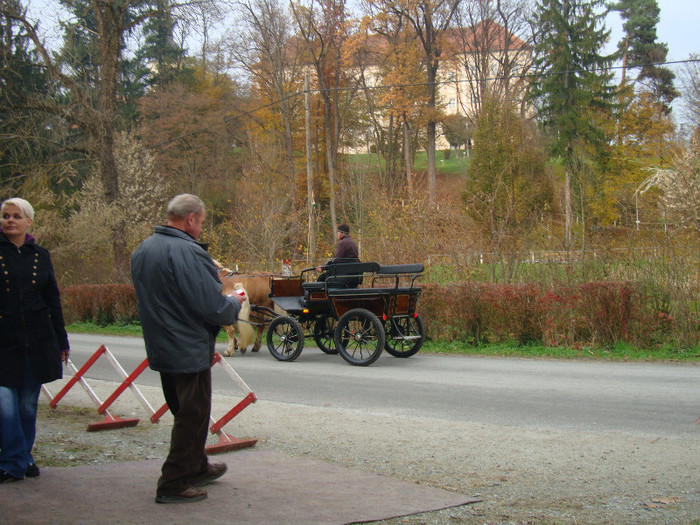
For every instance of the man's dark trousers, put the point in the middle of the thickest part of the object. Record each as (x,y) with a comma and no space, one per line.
(189,399)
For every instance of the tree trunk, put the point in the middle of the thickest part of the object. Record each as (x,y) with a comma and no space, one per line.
(407,155)
(567,208)
(110,28)
(432,125)
(331,158)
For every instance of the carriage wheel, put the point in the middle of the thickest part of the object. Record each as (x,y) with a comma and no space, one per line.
(405,336)
(285,338)
(359,337)
(324,330)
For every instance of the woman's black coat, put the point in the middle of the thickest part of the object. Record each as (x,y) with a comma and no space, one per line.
(31,318)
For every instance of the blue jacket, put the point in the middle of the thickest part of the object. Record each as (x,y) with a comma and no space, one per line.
(31,318)
(179,300)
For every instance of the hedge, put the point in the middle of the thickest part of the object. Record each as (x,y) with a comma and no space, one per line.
(101,304)
(594,313)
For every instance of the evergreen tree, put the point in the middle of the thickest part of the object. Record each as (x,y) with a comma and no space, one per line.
(160,59)
(21,78)
(572,79)
(640,50)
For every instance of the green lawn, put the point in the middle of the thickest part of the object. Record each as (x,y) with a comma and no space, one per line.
(457,164)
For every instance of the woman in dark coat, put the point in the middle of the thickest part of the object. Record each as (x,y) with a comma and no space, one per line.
(33,339)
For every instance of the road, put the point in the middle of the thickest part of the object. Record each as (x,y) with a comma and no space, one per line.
(658,398)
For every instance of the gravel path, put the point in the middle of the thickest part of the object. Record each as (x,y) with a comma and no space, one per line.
(522,475)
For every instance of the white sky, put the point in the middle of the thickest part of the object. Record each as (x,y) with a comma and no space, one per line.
(679,27)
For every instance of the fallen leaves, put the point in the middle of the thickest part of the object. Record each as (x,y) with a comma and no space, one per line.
(661,502)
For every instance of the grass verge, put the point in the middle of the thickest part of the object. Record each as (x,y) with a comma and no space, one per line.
(619,352)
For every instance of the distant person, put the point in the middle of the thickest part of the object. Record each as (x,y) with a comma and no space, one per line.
(33,339)
(345,252)
(181,310)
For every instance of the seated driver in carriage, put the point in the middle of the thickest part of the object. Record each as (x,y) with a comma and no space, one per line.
(345,252)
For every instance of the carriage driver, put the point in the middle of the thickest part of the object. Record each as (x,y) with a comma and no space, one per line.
(345,252)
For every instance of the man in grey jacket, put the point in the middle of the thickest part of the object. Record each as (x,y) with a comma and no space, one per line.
(181,310)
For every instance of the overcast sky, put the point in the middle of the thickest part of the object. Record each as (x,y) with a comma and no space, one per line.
(679,27)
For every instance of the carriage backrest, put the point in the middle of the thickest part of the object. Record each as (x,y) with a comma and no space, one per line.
(394,269)
(355,268)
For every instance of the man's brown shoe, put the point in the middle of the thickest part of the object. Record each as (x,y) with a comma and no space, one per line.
(188,495)
(214,471)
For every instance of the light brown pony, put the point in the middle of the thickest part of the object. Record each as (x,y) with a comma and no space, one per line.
(257,289)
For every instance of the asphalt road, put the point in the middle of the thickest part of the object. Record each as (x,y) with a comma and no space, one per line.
(661,399)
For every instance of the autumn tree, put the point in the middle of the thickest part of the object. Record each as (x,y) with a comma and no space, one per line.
(645,134)
(405,99)
(194,146)
(572,79)
(429,20)
(457,130)
(508,189)
(690,82)
(142,197)
(680,185)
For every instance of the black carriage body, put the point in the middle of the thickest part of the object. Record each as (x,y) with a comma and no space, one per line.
(388,294)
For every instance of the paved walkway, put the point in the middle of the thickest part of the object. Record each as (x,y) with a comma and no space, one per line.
(260,487)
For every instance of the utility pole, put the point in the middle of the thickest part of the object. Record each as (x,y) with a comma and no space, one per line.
(310,202)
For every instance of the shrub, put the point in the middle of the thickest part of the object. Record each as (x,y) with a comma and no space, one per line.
(101,304)
(595,313)
(517,312)
(457,312)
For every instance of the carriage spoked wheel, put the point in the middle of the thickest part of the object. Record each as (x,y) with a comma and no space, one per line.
(359,337)
(285,338)
(404,335)
(324,334)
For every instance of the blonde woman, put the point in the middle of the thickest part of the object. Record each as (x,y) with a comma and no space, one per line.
(33,339)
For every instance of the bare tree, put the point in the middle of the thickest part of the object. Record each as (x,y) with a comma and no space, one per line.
(681,188)
(323,32)
(690,89)
(491,51)
(262,46)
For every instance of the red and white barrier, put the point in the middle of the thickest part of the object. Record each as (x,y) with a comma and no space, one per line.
(225,443)
(110,421)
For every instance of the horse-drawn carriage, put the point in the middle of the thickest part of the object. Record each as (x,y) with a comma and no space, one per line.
(359,310)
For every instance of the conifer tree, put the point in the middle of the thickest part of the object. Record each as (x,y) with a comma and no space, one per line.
(640,50)
(572,79)
(21,77)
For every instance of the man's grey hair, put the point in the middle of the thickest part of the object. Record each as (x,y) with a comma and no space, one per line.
(184,204)
(23,205)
